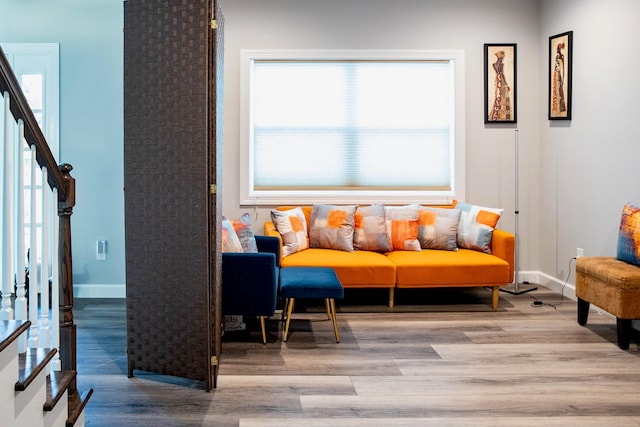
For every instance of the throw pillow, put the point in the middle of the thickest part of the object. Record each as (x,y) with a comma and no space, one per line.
(243,229)
(230,240)
(629,235)
(370,232)
(292,226)
(402,227)
(331,227)
(438,228)
(476,226)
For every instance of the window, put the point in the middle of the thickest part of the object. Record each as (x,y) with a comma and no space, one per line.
(352,126)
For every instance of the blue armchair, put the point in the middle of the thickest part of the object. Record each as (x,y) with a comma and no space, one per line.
(250,281)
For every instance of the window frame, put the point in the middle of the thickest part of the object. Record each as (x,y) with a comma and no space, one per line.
(249,196)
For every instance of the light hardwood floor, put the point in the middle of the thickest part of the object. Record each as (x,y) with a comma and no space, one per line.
(439,358)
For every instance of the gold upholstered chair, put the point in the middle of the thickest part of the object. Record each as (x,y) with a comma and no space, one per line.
(613,283)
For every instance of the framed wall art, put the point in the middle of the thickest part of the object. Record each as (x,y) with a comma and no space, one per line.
(560,69)
(500,83)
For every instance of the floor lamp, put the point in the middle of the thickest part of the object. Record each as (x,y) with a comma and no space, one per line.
(516,287)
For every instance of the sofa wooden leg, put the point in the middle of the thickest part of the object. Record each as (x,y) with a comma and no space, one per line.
(391,296)
(624,332)
(495,297)
(583,311)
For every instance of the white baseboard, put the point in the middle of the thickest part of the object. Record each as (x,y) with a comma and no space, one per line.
(557,285)
(92,290)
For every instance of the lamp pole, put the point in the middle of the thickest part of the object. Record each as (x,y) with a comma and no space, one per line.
(516,287)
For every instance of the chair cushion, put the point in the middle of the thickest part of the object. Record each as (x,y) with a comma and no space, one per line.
(310,282)
(357,269)
(610,270)
(447,268)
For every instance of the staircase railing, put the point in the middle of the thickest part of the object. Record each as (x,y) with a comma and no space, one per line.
(19,117)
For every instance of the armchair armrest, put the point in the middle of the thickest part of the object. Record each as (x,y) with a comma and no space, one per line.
(249,283)
(270,244)
(503,246)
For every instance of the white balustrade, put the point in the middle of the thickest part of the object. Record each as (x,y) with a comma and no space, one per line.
(6,312)
(34,278)
(44,332)
(21,253)
(42,244)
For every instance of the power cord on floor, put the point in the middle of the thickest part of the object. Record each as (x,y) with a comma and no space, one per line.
(539,303)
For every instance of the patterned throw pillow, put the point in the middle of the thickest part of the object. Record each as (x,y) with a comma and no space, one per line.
(243,229)
(438,228)
(476,226)
(402,227)
(230,240)
(370,232)
(292,226)
(629,235)
(331,227)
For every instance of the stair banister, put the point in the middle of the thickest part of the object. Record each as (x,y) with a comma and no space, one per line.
(60,179)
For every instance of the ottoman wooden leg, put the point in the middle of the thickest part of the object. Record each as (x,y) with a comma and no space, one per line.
(327,308)
(332,303)
(624,332)
(289,307)
(583,311)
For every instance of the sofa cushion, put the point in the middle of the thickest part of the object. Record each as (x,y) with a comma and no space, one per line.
(363,269)
(292,226)
(438,228)
(331,227)
(446,268)
(230,240)
(244,230)
(629,235)
(402,227)
(370,233)
(476,226)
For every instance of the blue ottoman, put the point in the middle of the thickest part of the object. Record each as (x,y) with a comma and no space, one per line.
(310,282)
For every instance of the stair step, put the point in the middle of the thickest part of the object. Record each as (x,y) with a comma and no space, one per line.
(10,330)
(57,383)
(31,363)
(77,403)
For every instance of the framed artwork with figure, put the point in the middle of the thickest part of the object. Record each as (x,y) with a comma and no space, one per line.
(560,69)
(500,82)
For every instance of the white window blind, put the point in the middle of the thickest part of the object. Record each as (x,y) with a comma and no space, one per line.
(351,125)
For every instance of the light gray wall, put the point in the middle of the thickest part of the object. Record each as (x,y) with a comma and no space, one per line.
(589,166)
(409,24)
(91,121)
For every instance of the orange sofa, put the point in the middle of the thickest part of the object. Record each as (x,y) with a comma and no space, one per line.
(408,269)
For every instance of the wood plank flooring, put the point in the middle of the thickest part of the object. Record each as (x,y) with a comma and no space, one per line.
(439,358)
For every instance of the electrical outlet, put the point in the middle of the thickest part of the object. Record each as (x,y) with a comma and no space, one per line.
(101,250)
(579,252)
